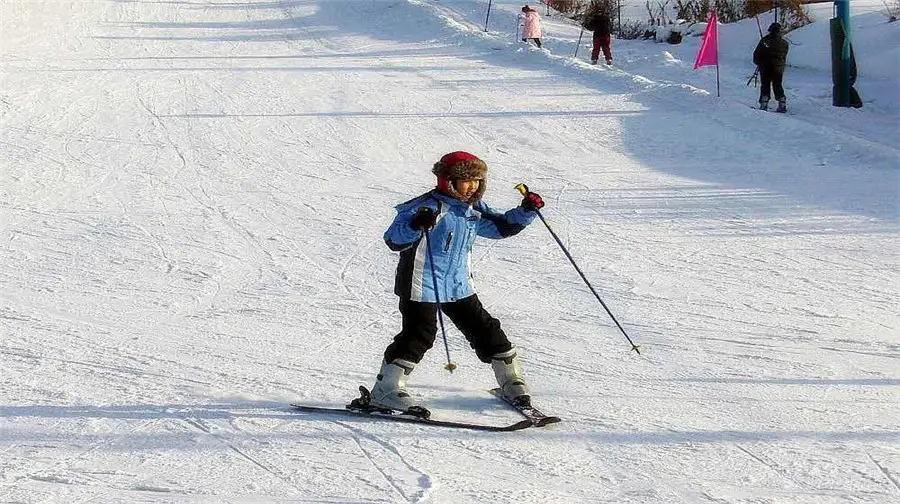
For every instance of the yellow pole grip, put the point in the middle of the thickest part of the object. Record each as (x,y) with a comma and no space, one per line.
(522,188)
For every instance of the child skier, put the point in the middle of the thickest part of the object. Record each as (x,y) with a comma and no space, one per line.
(597,20)
(435,233)
(531,25)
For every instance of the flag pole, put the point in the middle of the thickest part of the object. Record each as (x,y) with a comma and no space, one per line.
(717,81)
(718,95)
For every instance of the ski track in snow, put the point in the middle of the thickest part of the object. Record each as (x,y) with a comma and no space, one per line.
(193,197)
(423,481)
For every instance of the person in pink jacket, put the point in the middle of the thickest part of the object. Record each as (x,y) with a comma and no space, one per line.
(531,21)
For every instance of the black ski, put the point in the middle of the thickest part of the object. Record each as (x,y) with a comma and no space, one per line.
(362,406)
(534,415)
(774,111)
(400,417)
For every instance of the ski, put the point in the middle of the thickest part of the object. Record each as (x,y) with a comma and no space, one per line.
(362,406)
(774,111)
(382,414)
(532,414)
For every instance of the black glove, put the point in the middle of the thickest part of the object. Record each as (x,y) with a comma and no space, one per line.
(425,218)
(532,201)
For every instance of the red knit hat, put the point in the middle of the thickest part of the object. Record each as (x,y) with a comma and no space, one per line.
(455,157)
(460,165)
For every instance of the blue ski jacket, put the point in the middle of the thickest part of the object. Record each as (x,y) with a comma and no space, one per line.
(452,238)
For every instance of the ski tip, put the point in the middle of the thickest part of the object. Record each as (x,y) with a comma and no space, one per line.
(524,424)
(547,421)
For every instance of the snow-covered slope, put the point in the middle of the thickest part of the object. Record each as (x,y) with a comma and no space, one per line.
(192,198)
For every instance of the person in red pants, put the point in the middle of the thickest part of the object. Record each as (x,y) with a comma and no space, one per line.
(598,21)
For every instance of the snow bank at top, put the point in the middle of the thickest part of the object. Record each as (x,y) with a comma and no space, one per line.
(876,44)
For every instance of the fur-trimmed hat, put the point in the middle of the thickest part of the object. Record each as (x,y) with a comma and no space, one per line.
(460,165)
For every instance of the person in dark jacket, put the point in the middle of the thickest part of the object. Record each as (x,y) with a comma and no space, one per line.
(434,269)
(770,56)
(598,21)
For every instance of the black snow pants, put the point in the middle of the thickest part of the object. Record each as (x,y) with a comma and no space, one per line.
(481,330)
(770,78)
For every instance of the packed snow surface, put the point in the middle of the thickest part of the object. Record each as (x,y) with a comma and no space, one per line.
(193,195)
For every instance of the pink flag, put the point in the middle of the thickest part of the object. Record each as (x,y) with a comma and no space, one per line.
(709,49)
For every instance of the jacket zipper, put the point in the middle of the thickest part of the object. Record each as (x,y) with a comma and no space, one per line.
(449,239)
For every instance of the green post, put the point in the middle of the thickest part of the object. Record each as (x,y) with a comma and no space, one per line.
(841,53)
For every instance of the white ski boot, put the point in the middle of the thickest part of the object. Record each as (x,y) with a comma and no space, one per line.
(508,371)
(390,387)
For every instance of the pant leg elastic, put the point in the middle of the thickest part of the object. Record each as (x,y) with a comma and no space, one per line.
(482,331)
(417,334)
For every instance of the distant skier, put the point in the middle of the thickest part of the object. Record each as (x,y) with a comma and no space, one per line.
(455,214)
(598,21)
(531,29)
(770,56)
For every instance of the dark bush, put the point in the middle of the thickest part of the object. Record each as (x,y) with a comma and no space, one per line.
(567,6)
(633,29)
(791,13)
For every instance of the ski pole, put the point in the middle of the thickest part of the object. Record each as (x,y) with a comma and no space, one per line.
(522,188)
(437,297)
(577,45)
(753,78)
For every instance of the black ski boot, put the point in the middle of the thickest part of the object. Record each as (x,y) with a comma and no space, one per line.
(782,106)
